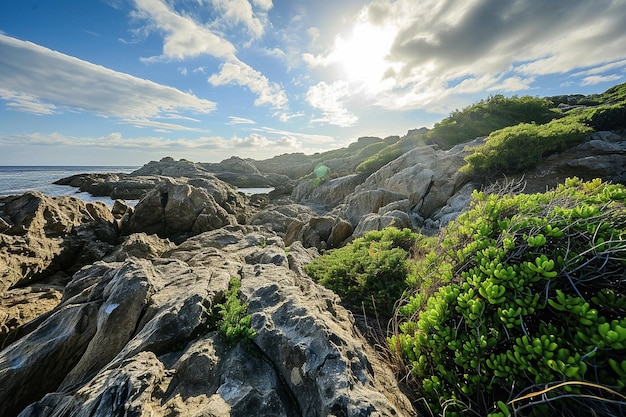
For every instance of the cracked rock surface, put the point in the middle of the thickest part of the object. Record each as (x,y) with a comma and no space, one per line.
(135,337)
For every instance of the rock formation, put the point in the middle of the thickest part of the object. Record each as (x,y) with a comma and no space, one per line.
(138,337)
(45,238)
(118,312)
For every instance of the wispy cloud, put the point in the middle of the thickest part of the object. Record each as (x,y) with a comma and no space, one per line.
(42,81)
(238,72)
(241,12)
(329,99)
(234,120)
(184,37)
(597,79)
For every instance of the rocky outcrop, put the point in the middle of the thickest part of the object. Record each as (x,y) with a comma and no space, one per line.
(42,235)
(602,156)
(46,238)
(176,209)
(140,337)
(243,173)
(116,186)
(330,193)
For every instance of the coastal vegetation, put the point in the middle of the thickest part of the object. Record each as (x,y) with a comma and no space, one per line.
(517,307)
(522,293)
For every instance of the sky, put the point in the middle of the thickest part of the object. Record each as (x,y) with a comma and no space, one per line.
(124,82)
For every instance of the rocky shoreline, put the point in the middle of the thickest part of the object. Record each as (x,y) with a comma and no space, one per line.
(109,312)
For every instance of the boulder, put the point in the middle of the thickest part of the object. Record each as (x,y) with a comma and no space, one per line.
(395,218)
(43,235)
(177,210)
(278,217)
(140,337)
(139,245)
(365,202)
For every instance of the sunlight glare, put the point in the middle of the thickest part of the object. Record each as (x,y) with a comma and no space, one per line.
(362,56)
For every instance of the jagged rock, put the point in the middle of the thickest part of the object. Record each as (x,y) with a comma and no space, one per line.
(455,205)
(365,202)
(45,235)
(120,208)
(602,156)
(21,305)
(342,230)
(427,176)
(139,245)
(320,232)
(177,210)
(139,337)
(44,240)
(394,218)
(243,173)
(279,217)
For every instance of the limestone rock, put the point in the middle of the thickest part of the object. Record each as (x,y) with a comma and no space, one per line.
(177,210)
(139,245)
(45,235)
(278,217)
(139,337)
(365,202)
(395,218)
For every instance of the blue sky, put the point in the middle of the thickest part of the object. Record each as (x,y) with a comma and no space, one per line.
(123,82)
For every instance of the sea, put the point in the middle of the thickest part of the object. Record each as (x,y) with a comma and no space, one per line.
(20,179)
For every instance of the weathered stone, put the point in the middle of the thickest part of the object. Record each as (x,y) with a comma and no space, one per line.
(48,234)
(395,218)
(139,337)
(177,210)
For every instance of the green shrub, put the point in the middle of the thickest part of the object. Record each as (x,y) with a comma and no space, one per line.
(520,147)
(234,322)
(372,270)
(524,293)
(486,116)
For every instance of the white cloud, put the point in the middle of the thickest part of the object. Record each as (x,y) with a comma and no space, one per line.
(234,120)
(240,12)
(26,102)
(329,99)
(444,48)
(251,141)
(597,79)
(263,4)
(183,37)
(285,117)
(512,84)
(241,73)
(43,81)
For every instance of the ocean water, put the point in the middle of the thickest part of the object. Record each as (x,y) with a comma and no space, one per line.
(20,179)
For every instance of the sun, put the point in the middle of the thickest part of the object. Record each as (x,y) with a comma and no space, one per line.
(363,56)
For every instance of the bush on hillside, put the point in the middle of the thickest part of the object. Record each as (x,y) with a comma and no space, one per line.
(521,309)
(370,271)
(486,116)
(516,148)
